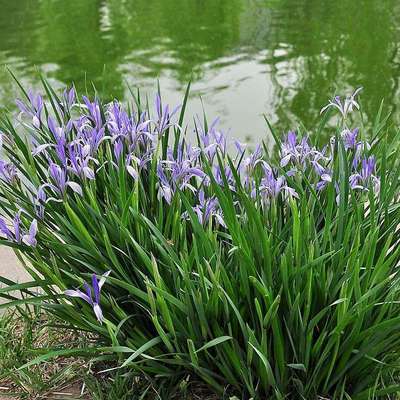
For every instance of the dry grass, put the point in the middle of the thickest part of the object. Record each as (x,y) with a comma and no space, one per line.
(22,336)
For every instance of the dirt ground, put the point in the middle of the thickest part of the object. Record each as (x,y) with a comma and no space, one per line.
(70,393)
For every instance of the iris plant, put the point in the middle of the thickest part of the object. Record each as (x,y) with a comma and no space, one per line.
(273,276)
(91,294)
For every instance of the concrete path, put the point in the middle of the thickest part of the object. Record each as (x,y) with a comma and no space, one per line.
(9,266)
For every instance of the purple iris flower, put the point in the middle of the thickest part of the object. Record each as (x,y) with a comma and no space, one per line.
(79,159)
(211,140)
(220,140)
(34,109)
(69,97)
(193,154)
(128,131)
(88,136)
(59,177)
(140,133)
(249,164)
(57,131)
(182,173)
(119,123)
(319,162)
(95,138)
(164,116)
(5,230)
(350,138)
(240,148)
(143,159)
(30,238)
(183,167)
(8,172)
(218,176)
(208,209)
(254,158)
(325,179)
(17,228)
(140,162)
(118,153)
(288,151)
(117,119)
(360,149)
(19,235)
(92,295)
(40,203)
(67,101)
(164,188)
(59,134)
(318,167)
(292,140)
(118,147)
(368,167)
(344,107)
(271,186)
(94,112)
(132,170)
(296,152)
(363,179)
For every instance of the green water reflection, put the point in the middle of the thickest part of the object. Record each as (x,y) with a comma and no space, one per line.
(245,57)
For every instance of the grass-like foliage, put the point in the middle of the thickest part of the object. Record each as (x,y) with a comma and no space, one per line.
(23,333)
(269,277)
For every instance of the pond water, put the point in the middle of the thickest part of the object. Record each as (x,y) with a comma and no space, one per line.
(246,58)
